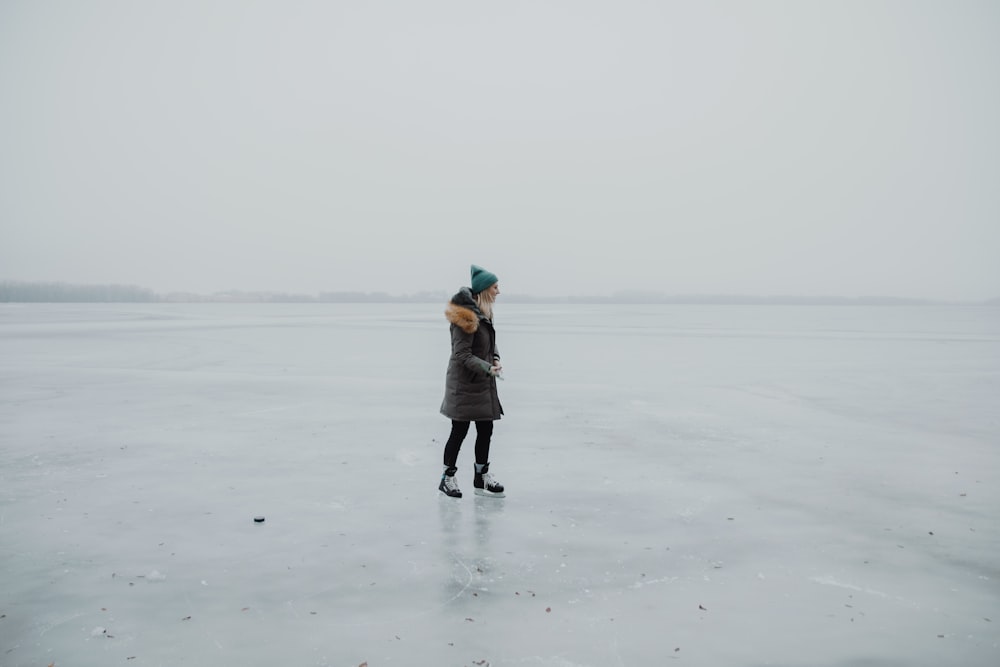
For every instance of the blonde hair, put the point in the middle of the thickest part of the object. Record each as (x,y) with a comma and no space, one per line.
(484,302)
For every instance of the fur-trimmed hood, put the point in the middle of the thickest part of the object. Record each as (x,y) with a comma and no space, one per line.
(463,312)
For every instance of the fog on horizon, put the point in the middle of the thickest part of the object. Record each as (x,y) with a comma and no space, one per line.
(573,148)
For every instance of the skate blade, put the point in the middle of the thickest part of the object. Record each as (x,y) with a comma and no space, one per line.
(487,494)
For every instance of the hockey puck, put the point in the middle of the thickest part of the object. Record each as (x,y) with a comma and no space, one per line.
(258,519)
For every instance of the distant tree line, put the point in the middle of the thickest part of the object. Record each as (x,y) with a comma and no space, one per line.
(236,296)
(380,297)
(32,292)
(53,292)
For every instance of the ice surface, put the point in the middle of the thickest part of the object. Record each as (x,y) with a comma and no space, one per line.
(717,485)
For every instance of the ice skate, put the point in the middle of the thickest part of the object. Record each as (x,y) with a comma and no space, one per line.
(486,484)
(448,485)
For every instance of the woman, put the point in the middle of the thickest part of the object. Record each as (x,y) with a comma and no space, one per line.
(471,383)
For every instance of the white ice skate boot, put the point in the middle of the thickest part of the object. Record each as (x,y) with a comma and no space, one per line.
(448,485)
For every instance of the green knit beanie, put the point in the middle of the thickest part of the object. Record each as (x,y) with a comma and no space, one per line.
(482,279)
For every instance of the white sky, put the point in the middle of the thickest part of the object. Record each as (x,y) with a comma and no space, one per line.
(808,148)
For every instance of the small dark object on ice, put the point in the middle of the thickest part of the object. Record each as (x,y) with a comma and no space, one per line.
(702,608)
(258,519)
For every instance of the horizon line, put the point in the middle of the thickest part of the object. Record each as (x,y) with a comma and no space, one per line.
(63,292)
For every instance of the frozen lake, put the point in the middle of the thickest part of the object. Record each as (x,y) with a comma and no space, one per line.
(700,485)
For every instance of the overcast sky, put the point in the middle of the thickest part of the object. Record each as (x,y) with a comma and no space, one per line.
(807,148)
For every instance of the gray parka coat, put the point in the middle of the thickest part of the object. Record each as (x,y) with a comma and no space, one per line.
(470,392)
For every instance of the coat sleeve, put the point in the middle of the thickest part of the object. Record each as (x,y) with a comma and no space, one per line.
(461,350)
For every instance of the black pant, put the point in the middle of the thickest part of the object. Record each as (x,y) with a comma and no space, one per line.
(459,429)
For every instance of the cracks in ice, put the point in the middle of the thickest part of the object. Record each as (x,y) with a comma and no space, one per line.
(829,580)
(468,581)
(49,626)
(653,582)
